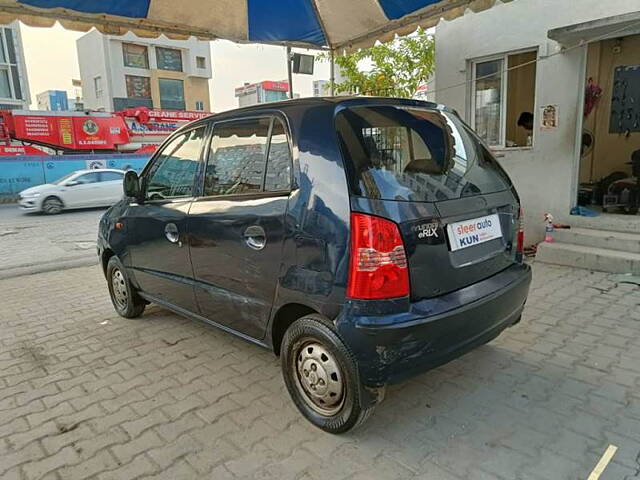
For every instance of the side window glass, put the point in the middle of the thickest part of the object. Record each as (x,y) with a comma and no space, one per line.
(87,178)
(111,176)
(237,160)
(279,162)
(173,171)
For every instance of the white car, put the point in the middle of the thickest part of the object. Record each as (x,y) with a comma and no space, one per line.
(80,189)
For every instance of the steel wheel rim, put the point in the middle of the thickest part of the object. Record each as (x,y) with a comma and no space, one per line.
(120,294)
(319,378)
(52,206)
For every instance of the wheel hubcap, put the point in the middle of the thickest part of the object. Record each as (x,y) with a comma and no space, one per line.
(52,206)
(119,289)
(319,378)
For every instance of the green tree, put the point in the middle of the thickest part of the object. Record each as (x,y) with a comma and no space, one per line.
(398,67)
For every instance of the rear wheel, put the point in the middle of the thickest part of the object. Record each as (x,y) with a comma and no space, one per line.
(125,300)
(321,376)
(52,205)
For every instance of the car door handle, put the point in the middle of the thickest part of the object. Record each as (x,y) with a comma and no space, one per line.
(172,233)
(255,237)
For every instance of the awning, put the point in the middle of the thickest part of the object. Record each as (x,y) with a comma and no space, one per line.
(601,29)
(333,24)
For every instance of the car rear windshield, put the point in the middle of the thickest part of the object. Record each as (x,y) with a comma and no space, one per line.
(414,154)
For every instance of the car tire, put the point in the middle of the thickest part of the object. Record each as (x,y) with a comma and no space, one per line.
(124,298)
(52,205)
(321,375)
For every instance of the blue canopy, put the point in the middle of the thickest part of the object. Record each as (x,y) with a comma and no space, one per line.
(312,23)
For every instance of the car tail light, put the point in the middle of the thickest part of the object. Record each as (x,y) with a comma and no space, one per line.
(378,264)
(520,236)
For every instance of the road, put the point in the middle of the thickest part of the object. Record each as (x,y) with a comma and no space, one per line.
(85,394)
(31,243)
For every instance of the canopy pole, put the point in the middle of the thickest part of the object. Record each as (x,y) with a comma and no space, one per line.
(332,73)
(289,72)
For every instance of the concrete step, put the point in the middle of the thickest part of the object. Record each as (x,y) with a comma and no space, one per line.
(591,258)
(587,237)
(613,222)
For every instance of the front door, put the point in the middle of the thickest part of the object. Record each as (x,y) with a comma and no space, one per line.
(236,229)
(83,191)
(157,227)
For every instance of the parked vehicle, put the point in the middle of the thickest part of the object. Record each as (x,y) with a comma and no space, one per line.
(80,189)
(363,240)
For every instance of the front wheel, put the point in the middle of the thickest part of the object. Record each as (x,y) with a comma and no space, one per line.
(52,205)
(322,376)
(125,300)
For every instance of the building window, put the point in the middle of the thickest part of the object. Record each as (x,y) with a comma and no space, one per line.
(200,105)
(503,98)
(10,86)
(169,59)
(138,87)
(135,55)
(97,86)
(201,62)
(5,85)
(171,94)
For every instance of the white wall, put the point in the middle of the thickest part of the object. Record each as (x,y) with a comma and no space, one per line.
(93,63)
(545,175)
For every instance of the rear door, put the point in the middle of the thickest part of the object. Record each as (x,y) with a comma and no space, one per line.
(425,170)
(236,228)
(111,183)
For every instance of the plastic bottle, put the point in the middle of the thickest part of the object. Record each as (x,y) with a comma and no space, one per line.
(548,228)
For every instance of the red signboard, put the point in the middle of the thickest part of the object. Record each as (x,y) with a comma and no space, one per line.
(11,150)
(72,132)
(275,86)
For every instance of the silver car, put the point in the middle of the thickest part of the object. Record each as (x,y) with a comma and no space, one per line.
(80,189)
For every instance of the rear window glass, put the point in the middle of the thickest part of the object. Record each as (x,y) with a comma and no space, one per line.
(414,154)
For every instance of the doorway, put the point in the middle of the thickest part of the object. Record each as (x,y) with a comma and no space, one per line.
(610,141)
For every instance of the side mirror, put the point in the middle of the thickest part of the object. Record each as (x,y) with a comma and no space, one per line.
(72,183)
(131,184)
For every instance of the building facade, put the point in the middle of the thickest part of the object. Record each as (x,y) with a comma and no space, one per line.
(14,85)
(53,100)
(119,72)
(262,92)
(542,83)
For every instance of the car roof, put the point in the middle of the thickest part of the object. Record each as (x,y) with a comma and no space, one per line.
(317,102)
(93,170)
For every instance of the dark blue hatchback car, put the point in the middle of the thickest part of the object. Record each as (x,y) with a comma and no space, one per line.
(364,240)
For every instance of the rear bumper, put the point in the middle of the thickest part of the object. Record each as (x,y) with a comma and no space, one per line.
(390,348)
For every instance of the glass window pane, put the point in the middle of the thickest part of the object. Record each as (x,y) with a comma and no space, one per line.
(411,154)
(279,162)
(138,87)
(88,178)
(171,94)
(8,37)
(5,86)
(17,89)
(488,101)
(3,58)
(169,59)
(236,164)
(173,171)
(135,55)
(111,176)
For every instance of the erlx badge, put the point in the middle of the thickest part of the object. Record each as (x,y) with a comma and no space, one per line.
(426,230)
